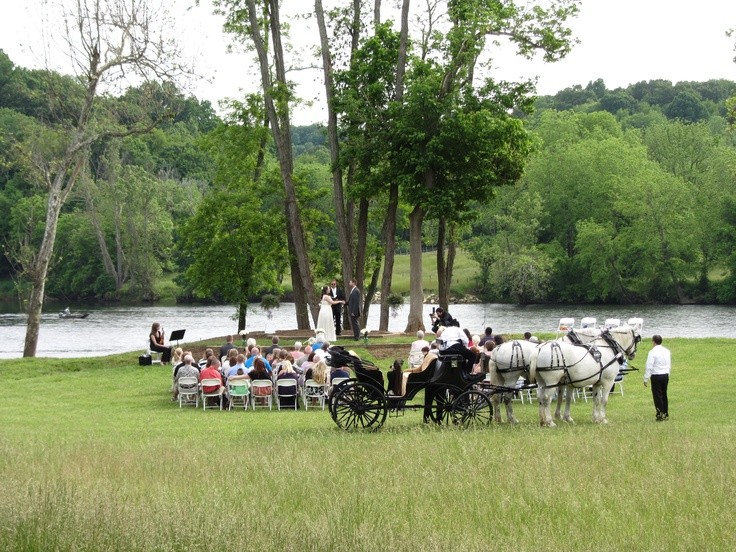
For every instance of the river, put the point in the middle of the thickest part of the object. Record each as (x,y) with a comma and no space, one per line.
(119,329)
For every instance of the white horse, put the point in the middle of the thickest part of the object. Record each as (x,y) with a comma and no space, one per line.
(561,363)
(625,335)
(506,363)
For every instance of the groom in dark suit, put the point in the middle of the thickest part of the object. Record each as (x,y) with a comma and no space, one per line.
(337,295)
(354,300)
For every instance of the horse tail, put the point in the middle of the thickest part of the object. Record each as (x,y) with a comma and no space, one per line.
(533,364)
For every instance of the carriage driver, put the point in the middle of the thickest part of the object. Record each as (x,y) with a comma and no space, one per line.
(453,341)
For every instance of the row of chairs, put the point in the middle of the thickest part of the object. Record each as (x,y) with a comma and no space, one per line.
(567,324)
(256,394)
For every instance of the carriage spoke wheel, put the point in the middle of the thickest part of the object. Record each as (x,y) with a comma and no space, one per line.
(359,406)
(441,406)
(472,409)
(333,395)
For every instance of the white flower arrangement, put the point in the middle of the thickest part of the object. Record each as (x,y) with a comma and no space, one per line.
(364,333)
(243,333)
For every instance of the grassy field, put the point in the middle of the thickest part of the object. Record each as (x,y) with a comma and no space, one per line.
(94,456)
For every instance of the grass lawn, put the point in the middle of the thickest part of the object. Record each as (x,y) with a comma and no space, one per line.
(94,456)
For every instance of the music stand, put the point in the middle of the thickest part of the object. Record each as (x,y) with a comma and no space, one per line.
(176,335)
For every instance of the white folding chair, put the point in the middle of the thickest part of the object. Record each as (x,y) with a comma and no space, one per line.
(188,390)
(612,323)
(313,391)
(587,322)
(416,358)
(261,390)
(214,393)
(239,392)
(565,325)
(286,389)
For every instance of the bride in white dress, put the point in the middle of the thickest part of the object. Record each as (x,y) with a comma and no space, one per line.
(325,320)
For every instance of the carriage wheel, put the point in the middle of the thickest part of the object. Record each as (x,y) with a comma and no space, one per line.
(472,408)
(443,398)
(333,394)
(359,406)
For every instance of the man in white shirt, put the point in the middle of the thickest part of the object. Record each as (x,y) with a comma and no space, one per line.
(453,341)
(659,364)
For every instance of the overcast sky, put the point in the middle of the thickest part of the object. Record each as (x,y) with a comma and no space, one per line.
(621,41)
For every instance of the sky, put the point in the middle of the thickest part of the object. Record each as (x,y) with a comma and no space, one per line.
(621,42)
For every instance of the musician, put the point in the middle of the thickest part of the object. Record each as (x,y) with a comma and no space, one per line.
(156,343)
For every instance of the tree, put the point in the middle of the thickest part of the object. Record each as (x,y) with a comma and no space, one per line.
(106,42)
(259,24)
(235,240)
(453,136)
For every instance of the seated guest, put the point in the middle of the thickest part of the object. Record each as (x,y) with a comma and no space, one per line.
(227,346)
(238,365)
(307,351)
(466,331)
(274,345)
(498,339)
(207,354)
(232,360)
(297,352)
(318,372)
(420,342)
(255,354)
(485,355)
(307,367)
(488,336)
(259,372)
(187,370)
(339,372)
(177,357)
(287,373)
(429,356)
(212,371)
(156,343)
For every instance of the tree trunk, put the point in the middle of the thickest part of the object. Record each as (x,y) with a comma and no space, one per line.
(389,254)
(277,109)
(342,222)
(40,267)
(443,286)
(416,294)
(393,202)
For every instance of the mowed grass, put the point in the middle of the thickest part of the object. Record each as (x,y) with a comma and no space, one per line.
(94,456)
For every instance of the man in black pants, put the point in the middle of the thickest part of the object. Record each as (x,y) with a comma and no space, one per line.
(659,364)
(337,295)
(453,341)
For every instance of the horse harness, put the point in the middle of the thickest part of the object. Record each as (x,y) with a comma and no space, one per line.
(558,358)
(517,362)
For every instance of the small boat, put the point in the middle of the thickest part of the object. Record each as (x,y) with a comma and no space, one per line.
(67,314)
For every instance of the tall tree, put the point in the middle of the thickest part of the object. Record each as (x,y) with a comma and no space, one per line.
(454,134)
(106,41)
(259,24)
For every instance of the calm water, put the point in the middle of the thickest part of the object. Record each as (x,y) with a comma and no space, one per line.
(110,330)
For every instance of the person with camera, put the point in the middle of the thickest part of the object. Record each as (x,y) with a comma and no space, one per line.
(441,318)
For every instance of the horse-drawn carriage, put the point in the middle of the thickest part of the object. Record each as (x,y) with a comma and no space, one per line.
(450,394)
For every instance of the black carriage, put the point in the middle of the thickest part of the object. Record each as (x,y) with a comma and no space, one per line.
(451,395)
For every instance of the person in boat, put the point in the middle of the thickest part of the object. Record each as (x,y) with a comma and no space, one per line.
(156,343)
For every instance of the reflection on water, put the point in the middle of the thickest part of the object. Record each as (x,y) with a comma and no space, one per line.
(110,330)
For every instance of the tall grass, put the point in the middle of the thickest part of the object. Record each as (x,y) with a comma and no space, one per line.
(94,456)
